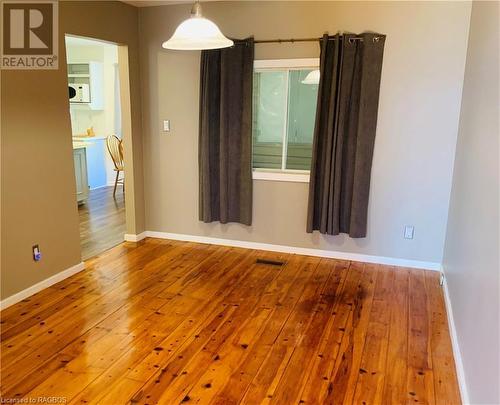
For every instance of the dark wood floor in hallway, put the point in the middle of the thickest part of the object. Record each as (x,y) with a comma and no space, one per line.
(102,221)
(167,322)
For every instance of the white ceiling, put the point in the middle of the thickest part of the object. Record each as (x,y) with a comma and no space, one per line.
(150,3)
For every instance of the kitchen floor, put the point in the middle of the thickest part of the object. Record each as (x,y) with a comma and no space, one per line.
(102,221)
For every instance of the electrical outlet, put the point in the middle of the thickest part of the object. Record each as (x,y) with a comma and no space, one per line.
(441,279)
(409,230)
(37,255)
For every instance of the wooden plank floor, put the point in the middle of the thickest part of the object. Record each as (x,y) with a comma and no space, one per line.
(166,322)
(102,221)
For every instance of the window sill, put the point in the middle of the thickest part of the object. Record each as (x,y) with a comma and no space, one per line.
(277,175)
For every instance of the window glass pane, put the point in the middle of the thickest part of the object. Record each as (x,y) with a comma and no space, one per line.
(269,118)
(301,116)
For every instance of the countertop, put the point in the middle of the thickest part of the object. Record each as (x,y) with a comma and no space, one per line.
(86,141)
(79,145)
(88,138)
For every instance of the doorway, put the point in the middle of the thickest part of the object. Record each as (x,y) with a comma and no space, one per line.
(94,85)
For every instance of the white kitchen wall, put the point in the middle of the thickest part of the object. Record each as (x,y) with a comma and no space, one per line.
(82,117)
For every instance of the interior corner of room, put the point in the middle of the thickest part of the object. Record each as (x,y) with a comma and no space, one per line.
(252,202)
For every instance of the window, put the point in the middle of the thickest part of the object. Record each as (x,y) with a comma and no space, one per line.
(284,110)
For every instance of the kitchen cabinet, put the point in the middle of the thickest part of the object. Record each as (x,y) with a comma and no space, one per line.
(96,153)
(91,74)
(82,185)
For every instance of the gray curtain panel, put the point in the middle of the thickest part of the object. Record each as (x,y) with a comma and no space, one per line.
(344,133)
(225,134)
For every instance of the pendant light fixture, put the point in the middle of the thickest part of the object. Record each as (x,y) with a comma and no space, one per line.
(312,77)
(197,33)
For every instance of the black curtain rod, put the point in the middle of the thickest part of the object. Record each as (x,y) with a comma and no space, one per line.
(292,40)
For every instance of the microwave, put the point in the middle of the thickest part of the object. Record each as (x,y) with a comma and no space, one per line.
(79,93)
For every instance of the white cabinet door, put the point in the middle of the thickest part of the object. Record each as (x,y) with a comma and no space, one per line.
(82,186)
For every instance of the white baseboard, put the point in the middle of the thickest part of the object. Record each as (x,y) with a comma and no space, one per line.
(21,295)
(130,237)
(97,188)
(459,365)
(391,261)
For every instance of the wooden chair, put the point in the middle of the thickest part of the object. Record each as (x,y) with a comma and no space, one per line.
(115,149)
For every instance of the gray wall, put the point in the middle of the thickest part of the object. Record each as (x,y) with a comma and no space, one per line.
(472,242)
(38,179)
(420,96)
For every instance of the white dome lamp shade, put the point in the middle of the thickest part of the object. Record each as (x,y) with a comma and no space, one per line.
(312,77)
(197,33)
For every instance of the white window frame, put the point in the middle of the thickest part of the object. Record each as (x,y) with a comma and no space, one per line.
(283,174)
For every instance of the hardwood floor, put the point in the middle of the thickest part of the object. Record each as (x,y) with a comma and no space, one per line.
(102,221)
(175,322)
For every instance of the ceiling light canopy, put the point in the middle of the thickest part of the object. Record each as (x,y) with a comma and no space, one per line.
(197,33)
(312,77)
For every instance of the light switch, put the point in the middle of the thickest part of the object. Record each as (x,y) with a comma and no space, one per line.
(166,125)
(409,232)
